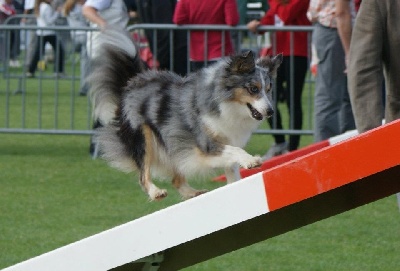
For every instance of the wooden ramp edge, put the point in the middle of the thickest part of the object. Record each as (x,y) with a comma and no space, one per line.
(324,183)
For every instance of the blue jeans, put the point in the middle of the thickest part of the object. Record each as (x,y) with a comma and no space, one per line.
(332,109)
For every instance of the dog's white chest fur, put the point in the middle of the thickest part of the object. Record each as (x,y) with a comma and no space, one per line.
(234,123)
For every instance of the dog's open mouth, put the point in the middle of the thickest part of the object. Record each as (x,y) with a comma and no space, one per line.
(254,113)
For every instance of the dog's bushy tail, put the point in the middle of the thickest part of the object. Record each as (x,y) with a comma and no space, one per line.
(116,63)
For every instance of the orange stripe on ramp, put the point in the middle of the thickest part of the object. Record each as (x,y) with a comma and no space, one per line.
(333,166)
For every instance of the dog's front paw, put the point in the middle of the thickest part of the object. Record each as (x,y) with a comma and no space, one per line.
(251,162)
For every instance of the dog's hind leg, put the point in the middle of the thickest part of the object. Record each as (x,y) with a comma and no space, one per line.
(151,189)
(184,189)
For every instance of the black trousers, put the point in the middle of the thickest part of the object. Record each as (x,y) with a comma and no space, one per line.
(283,93)
(41,42)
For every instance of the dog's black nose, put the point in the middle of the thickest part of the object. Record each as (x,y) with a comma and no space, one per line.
(270,112)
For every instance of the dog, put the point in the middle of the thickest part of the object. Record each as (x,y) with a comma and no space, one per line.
(165,125)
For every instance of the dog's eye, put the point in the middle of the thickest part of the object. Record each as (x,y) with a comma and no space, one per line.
(253,89)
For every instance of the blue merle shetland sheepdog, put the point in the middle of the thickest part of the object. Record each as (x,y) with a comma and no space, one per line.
(165,125)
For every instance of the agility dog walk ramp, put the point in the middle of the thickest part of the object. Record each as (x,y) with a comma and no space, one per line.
(283,158)
(324,183)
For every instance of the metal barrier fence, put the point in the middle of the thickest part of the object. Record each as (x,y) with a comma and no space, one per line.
(49,104)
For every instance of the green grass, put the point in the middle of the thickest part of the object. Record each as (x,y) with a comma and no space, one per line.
(52,193)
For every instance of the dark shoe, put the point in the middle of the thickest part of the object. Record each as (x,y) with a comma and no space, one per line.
(84,90)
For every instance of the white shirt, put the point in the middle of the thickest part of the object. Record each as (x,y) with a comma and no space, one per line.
(47,17)
(99,4)
(114,12)
(75,18)
(29,4)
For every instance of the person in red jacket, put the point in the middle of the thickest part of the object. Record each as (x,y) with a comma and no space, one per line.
(207,12)
(289,87)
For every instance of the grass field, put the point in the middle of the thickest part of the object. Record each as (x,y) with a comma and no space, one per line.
(52,193)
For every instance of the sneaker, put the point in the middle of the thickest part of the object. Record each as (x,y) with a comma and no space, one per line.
(276,149)
(17,64)
(29,75)
(60,75)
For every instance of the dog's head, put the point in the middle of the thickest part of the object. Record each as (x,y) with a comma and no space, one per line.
(250,82)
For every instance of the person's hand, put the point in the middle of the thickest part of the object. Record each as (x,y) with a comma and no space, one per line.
(133,14)
(103,25)
(253,25)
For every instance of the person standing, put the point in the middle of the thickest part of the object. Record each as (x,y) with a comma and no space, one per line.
(101,13)
(290,80)
(374,47)
(75,18)
(30,35)
(7,9)
(161,12)
(46,17)
(206,47)
(332,109)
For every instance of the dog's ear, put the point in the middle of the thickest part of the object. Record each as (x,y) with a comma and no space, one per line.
(272,64)
(244,63)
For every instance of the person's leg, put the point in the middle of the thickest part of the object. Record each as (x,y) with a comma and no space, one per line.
(31,41)
(15,43)
(196,65)
(13,51)
(346,116)
(275,121)
(38,49)
(180,53)
(330,82)
(58,52)
(85,69)
(180,60)
(17,46)
(93,147)
(300,68)
(61,56)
